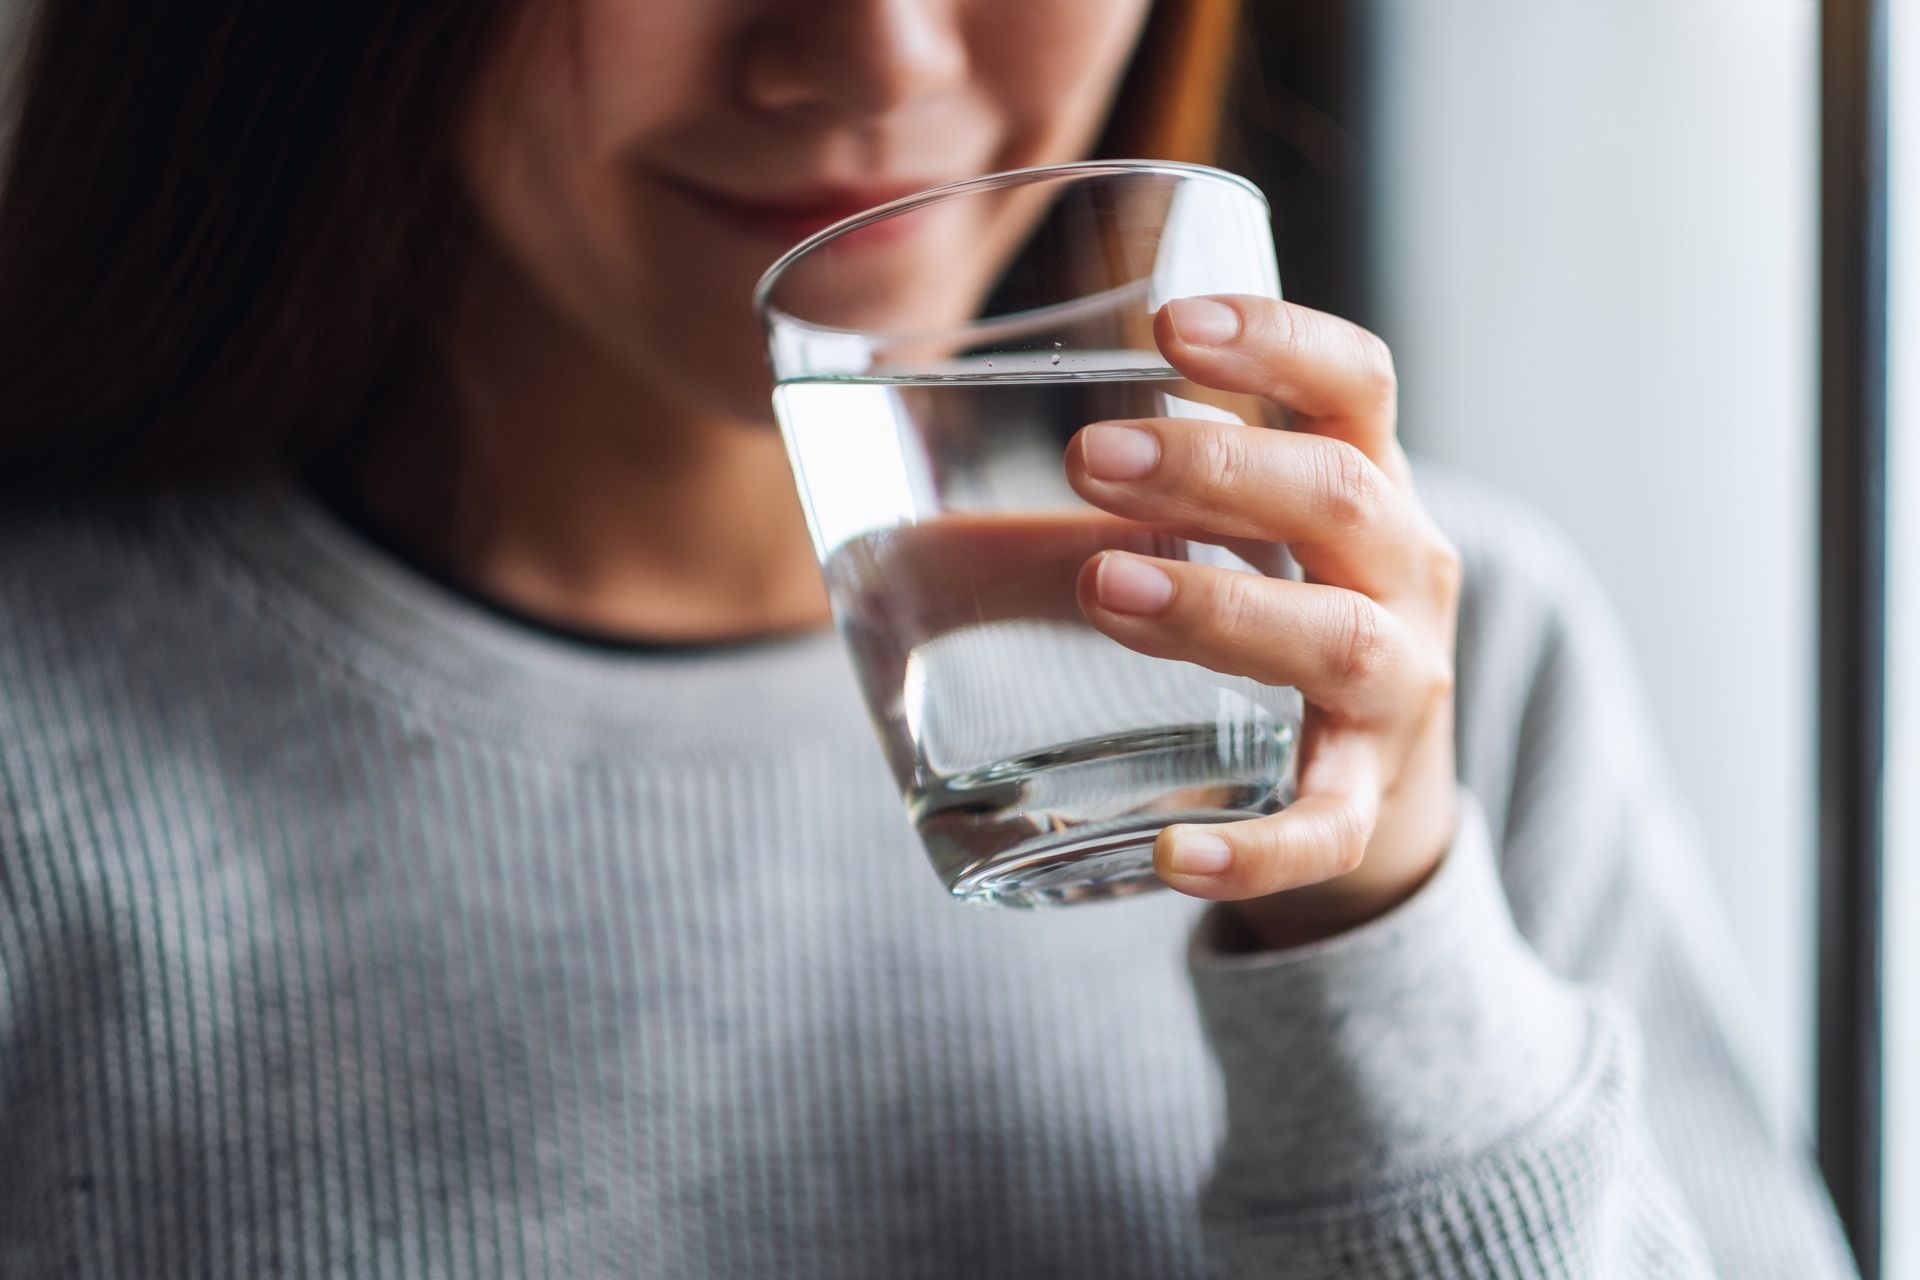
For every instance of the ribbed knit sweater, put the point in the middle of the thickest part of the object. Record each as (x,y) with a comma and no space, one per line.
(348,929)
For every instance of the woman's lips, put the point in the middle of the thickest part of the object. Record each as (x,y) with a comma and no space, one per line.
(790,218)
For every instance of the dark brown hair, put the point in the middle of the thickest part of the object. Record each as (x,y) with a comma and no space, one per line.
(228,231)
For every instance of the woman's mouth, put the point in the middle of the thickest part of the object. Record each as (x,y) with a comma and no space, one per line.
(786,218)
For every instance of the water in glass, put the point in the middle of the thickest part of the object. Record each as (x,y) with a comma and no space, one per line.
(1038,759)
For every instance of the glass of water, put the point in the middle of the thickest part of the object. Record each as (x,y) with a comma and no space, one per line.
(932,358)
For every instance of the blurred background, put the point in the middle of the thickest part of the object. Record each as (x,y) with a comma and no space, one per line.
(1591,233)
(1596,263)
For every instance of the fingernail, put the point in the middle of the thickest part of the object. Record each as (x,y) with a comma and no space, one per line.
(1202,322)
(1127,585)
(1119,453)
(1199,854)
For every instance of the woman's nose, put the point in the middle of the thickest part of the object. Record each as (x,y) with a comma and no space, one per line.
(852,58)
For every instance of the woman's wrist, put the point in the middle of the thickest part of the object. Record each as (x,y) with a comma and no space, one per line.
(1312,914)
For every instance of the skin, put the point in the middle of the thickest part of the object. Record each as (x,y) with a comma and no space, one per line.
(619,473)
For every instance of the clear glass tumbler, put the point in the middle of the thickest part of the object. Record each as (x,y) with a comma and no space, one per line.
(932,358)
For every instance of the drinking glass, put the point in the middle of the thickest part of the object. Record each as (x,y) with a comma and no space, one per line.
(932,358)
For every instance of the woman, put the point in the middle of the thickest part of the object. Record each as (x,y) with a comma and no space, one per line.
(441,836)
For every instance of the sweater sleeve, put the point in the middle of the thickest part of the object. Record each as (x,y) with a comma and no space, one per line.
(1537,1065)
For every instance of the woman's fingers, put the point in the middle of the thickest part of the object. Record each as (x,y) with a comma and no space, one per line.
(1345,520)
(1321,836)
(1337,374)
(963,569)
(1368,642)
(1325,847)
(1347,654)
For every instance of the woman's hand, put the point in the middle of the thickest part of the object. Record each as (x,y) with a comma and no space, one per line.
(1367,639)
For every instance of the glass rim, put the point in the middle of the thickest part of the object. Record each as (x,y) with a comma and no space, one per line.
(770,278)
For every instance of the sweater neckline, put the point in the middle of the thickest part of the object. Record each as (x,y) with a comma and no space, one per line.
(345,508)
(387,626)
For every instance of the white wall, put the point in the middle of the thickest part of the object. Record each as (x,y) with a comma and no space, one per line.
(1599,275)
(1903,649)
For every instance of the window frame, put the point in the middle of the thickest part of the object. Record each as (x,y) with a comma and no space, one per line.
(1854,298)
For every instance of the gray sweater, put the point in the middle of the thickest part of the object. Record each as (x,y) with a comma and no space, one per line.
(347,929)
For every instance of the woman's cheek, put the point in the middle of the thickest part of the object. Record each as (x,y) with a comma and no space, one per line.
(1051,67)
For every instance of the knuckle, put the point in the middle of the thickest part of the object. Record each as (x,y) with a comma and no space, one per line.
(1277,856)
(1291,327)
(1444,571)
(1438,686)
(1218,459)
(1374,360)
(1365,641)
(1351,832)
(1348,482)
(1237,607)
(1287,333)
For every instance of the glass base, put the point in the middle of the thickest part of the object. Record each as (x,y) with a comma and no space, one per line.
(1076,822)
(1089,866)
